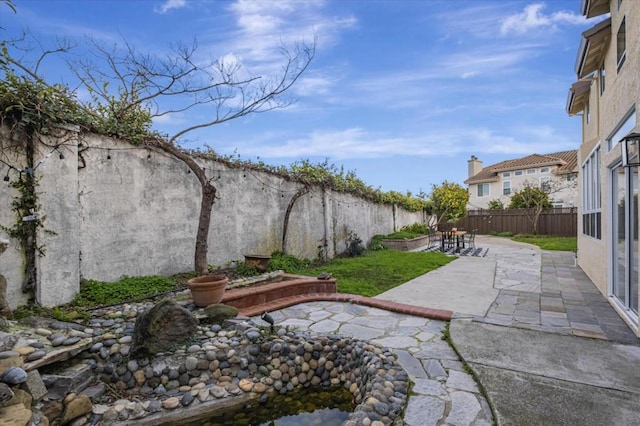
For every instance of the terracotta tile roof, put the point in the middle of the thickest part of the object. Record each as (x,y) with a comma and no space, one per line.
(567,162)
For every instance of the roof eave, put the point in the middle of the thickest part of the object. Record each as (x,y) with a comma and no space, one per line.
(592,45)
(591,8)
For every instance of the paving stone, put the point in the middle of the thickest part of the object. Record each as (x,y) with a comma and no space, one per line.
(342,317)
(462,381)
(464,409)
(397,342)
(434,369)
(428,387)
(325,326)
(385,323)
(424,411)
(319,315)
(413,322)
(360,331)
(412,366)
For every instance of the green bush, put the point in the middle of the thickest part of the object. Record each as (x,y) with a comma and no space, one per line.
(355,247)
(96,293)
(287,262)
(416,228)
(376,243)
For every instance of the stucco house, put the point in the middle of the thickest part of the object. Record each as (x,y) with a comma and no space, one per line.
(556,173)
(606,96)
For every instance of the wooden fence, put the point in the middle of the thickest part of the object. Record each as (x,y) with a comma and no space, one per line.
(561,222)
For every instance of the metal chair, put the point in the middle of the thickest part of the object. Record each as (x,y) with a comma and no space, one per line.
(447,240)
(470,240)
(433,239)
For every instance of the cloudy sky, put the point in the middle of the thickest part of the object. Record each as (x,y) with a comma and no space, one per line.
(402,92)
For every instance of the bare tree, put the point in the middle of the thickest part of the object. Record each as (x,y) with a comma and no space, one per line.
(148,87)
(227,90)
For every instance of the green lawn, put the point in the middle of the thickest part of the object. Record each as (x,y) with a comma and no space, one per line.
(546,242)
(378,271)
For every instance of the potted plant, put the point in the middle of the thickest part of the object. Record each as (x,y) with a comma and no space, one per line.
(207,289)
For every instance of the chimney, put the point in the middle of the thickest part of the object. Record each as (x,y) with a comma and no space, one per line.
(475,166)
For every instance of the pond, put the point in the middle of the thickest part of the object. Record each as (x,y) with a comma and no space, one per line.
(309,406)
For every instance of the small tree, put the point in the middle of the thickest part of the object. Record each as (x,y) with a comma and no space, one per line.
(449,201)
(496,204)
(534,199)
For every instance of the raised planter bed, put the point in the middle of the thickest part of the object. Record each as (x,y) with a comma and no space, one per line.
(288,286)
(406,244)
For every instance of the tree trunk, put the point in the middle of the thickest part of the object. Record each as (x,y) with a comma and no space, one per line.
(201,265)
(206,204)
(285,226)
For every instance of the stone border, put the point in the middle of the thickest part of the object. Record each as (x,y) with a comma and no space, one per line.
(214,378)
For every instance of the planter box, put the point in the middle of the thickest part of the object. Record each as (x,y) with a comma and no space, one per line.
(407,244)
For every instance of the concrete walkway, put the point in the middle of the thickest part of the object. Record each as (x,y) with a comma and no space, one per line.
(544,344)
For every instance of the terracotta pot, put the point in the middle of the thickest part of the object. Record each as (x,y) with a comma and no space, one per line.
(207,289)
(259,262)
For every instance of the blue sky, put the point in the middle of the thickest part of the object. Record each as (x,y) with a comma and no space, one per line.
(401,92)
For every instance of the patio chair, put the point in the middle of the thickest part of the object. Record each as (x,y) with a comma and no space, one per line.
(447,240)
(433,239)
(470,239)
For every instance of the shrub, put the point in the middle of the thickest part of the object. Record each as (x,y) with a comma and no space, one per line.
(416,228)
(355,247)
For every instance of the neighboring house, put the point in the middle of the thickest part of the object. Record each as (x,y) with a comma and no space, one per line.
(555,173)
(608,206)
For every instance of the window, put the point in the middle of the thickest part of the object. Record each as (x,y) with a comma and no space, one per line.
(587,112)
(506,188)
(623,129)
(506,174)
(602,78)
(518,173)
(591,200)
(483,189)
(531,171)
(545,184)
(622,44)
(544,170)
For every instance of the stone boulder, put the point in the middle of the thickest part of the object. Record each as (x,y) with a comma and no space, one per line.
(162,328)
(219,312)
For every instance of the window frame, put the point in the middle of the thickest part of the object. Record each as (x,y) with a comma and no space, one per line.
(545,170)
(506,187)
(506,174)
(531,171)
(518,173)
(621,40)
(480,192)
(592,195)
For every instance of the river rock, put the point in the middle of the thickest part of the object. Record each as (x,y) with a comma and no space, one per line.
(220,312)
(5,393)
(162,328)
(77,407)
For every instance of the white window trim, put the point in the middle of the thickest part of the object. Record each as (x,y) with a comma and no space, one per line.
(506,185)
(519,173)
(531,171)
(545,169)
(481,185)
(625,126)
(591,187)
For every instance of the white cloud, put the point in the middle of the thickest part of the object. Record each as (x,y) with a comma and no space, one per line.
(533,18)
(170,4)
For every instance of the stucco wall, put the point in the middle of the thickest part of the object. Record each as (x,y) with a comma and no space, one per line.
(120,210)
